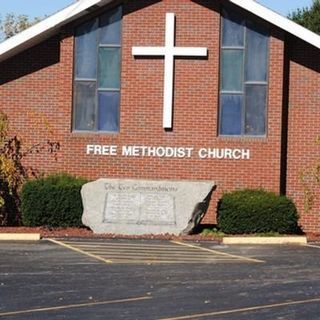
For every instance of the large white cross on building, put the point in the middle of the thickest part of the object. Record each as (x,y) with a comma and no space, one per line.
(169,51)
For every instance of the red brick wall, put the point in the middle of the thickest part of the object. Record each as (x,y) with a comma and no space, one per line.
(304,128)
(38,90)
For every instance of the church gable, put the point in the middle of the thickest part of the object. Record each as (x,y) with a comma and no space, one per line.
(192,90)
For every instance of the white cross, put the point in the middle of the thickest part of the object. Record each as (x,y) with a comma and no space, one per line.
(169,51)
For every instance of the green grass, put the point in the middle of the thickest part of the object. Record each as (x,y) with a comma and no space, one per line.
(268,234)
(212,233)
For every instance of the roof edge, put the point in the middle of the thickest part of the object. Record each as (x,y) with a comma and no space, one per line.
(279,21)
(45,28)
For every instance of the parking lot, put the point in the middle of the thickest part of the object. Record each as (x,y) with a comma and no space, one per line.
(150,279)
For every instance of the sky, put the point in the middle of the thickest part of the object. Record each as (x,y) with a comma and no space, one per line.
(40,8)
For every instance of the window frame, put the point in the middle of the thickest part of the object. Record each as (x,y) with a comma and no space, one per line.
(75,80)
(245,83)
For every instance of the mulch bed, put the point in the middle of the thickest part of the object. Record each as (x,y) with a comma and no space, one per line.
(86,233)
(313,237)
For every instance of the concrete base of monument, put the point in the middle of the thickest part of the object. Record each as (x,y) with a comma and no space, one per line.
(138,207)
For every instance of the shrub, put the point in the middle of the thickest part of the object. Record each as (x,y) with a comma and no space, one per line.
(256,211)
(54,201)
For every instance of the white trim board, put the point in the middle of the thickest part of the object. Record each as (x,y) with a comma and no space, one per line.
(46,28)
(279,21)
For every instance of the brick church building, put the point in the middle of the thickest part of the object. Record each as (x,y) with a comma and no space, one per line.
(218,90)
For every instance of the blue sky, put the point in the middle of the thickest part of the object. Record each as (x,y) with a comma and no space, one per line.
(34,8)
(285,6)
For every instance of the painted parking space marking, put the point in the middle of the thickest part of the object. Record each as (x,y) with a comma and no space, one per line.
(242,310)
(140,253)
(226,255)
(60,243)
(72,306)
(315,245)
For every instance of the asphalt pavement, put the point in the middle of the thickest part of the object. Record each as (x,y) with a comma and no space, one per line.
(149,279)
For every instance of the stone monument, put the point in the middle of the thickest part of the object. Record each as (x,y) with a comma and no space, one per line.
(136,207)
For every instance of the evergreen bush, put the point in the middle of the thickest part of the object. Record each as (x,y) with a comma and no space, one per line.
(256,211)
(54,201)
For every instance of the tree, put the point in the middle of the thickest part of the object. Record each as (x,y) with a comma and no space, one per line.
(13,24)
(13,172)
(310,177)
(308,17)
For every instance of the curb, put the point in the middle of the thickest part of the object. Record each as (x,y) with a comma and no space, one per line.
(20,236)
(265,240)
